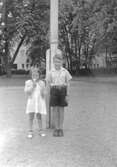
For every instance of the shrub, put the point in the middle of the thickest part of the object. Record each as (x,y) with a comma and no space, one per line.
(20,71)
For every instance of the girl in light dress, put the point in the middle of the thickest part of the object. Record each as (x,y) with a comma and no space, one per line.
(36,106)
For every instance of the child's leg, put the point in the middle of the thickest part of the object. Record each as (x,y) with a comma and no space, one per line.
(41,128)
(61,117)
(56,121)
(39,120)
(55,117)
(31,118)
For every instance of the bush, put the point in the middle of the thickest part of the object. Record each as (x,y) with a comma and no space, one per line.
(20,71)
(85,72)
(2,70)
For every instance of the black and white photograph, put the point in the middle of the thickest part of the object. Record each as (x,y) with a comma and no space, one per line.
(58,83)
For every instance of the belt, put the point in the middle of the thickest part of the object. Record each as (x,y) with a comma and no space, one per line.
(58,86)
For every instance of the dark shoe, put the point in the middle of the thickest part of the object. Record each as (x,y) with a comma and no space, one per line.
(61,133)
(55,133)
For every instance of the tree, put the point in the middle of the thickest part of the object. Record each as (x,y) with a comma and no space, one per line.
(28,22)
(87,27)
(65,25)
(75,30)
(39,40)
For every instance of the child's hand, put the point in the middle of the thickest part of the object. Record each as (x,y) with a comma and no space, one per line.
(28,87)
(42,94)
(34,84)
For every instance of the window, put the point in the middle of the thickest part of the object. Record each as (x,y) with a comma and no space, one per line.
(22,65)
(27,65)
(14,66)
(27,60)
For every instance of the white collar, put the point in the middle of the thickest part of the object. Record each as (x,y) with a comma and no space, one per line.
(61,69)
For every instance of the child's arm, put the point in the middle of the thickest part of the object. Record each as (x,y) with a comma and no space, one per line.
(28,89)
(43,89)
(68,88)
(68,78)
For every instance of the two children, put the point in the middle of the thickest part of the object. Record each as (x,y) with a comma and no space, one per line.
(58,79)
(35,91)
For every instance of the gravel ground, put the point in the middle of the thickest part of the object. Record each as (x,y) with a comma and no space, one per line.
(90,127)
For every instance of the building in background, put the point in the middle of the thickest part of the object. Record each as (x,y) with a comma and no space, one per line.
(103,60)
(22,61)
(98,61)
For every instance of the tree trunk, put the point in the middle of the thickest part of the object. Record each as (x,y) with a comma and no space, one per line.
(79,53)
(8,70)
(70,59)
(18,48)
(68,52)
(6,60)
(67,58)
(106,56)
(76,54)
(79,59)
(75,42)
(86,56)
(10,63)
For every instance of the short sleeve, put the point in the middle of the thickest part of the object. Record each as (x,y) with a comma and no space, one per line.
(68,76)
(42,84)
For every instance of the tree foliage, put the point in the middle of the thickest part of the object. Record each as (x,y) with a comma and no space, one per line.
(34,23)
(87,27)
(29,22)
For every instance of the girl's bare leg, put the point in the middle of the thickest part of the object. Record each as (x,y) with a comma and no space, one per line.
(31,118)
(41,128)
(39,120)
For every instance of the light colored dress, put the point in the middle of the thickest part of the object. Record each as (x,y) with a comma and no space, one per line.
(35,102)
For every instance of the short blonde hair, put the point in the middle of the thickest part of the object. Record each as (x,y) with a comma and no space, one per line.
(58,55)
